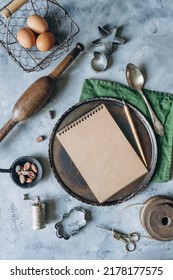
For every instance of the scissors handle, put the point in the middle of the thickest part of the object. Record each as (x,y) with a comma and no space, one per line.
(129,239)
(130,246)
(134,236)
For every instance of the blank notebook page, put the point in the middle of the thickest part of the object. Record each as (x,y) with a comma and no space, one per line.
(101,153)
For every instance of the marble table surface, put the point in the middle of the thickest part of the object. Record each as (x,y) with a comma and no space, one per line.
(147,28)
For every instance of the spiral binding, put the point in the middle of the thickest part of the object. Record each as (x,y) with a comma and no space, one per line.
(81,119)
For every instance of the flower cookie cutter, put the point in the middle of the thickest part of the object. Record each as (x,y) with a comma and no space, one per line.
(70,223)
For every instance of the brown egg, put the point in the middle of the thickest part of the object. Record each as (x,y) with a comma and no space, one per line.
(37,24)
(45,41)
(26,38)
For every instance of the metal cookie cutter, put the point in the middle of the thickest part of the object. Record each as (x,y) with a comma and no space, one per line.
(70,223)
(108,39)
(99,62)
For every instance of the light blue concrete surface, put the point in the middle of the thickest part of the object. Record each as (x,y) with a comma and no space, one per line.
(147,28)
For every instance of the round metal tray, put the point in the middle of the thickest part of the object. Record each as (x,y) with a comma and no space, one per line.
(68,175)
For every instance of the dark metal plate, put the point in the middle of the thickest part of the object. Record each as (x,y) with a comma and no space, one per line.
(68,175)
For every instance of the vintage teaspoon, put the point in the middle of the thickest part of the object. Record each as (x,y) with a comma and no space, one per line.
(135,80)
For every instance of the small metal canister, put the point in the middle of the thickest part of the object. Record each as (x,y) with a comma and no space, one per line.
(38,214)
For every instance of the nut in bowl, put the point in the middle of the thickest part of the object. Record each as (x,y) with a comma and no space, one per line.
(26,172)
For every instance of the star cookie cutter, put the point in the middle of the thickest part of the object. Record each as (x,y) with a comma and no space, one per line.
(108,39)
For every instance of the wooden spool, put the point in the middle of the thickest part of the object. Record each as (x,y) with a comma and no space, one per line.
(157,217)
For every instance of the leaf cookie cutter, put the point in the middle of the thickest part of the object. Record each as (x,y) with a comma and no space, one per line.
(70,223)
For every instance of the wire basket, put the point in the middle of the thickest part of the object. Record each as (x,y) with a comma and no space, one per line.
(60,24)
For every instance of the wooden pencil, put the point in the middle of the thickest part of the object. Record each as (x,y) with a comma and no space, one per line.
(134,131)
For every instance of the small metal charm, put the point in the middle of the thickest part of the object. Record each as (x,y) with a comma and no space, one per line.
(108,39)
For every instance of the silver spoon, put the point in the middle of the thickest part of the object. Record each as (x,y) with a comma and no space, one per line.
(135,80)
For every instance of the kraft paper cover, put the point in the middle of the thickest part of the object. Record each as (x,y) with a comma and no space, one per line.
(101,152)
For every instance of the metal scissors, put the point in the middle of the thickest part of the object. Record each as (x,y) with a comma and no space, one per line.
(129,239)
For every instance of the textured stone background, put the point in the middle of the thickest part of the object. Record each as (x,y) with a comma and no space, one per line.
(147,28)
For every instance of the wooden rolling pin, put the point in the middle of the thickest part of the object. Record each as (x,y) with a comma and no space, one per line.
(13,7)
(38,93)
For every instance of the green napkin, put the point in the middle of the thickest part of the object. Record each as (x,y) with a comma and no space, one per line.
(161,102)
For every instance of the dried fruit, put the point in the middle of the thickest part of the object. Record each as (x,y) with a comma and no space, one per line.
(39,139)
(31,174)
(27,172)
(22,179)
(27,166)
(34,168)
(24,172)
(29,180)
(18,168)
(20,172)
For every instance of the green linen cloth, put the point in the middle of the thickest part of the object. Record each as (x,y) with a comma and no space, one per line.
(161,102)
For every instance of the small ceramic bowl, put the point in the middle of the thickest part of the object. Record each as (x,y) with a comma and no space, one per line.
(15,177)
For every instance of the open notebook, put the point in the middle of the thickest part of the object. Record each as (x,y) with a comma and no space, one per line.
(101,152)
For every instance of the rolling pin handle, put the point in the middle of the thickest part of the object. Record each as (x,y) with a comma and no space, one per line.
(7,128)
(66,61)
(80,46)
(12,7)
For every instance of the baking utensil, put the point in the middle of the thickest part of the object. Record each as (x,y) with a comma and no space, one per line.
(71,223)
(156,216)
(66,172)
(129,239)
(38,93)
(38,214)
(15,177)
(13,7)
(38,211)
(99,62)
(135,80)
(108,39)
(134,131)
